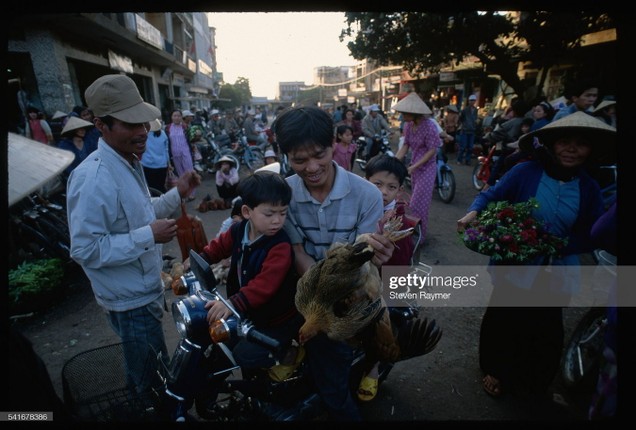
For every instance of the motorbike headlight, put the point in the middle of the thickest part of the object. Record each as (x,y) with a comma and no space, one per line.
(190,316)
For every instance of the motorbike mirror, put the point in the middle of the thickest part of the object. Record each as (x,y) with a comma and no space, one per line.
(202,271)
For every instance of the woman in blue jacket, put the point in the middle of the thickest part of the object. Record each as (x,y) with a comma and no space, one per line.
(520,342)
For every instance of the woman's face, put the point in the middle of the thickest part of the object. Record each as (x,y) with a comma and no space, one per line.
(176,117)
(538,112)
(349,115)
(572,151)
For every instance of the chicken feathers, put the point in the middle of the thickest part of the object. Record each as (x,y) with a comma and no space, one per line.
(342,294)
(336,295)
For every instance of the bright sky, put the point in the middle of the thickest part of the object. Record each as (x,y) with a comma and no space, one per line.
(270,47)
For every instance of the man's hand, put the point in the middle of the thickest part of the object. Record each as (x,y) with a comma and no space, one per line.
(383,248)
(187,183)
(164,230)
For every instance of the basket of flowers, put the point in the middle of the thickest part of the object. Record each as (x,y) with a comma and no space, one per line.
(507,232)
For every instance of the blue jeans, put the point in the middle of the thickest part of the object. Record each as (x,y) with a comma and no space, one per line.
(141,333)
(330,364)
(466,142)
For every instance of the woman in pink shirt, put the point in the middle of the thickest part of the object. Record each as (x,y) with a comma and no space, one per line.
(180,150)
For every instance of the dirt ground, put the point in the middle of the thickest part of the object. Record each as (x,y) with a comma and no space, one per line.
(444,385)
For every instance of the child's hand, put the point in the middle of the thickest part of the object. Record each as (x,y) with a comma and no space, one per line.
(217,310)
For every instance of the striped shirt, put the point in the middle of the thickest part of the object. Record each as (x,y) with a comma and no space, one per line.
(354,206)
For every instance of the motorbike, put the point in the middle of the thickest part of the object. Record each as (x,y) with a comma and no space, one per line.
(481,171)
(445,183)
(251,156)
(582,355)
(203,373)
(381,145)
(211,152)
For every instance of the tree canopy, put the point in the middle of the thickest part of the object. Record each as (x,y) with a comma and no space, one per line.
(428,42)
(238,94)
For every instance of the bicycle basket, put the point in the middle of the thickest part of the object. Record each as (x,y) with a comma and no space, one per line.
(95,387)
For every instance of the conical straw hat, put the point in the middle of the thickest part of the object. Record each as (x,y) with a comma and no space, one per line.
(412,104)
(59,114)
(32,164)
(271,167)
(603,105)
(601,135)
(74,123)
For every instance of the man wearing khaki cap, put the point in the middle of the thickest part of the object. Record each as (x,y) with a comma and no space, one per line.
(117,230)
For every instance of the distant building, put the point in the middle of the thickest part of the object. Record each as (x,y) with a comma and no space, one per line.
(53,58)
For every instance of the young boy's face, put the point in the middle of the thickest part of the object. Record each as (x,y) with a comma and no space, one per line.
(269,160)
(388,184)
(266,219)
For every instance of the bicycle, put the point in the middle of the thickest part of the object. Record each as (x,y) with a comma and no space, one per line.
(445,182)
(38,229)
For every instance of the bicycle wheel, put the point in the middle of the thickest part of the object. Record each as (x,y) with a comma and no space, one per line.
(254,159)
(477,182)
(582,354)
(446,187)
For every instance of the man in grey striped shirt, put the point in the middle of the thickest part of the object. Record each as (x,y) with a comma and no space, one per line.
(329,204)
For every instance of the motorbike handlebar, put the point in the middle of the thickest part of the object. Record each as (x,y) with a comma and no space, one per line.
(253,335)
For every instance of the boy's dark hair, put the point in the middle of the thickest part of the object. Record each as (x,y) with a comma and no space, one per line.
(386,163)
(341,129)
(527,121)
(264,187)
(302,126)
(237,203)
(576,88)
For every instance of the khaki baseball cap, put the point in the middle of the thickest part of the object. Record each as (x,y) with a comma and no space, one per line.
(118,96)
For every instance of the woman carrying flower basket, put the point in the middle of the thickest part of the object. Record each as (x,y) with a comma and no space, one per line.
(539,213)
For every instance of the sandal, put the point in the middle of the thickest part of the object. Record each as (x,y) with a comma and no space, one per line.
(280,372)
(492,386)
(368,389)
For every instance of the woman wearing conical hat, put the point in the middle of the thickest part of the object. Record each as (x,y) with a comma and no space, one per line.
(521,334)
(421,136)
(73,135)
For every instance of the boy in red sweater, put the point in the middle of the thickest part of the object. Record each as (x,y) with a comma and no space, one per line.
(261,282)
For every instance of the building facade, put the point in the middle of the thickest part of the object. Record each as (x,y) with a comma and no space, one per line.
(52,59)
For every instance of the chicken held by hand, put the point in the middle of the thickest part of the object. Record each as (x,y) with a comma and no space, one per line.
(342,294)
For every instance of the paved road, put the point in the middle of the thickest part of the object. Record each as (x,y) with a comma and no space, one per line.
(441,386)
